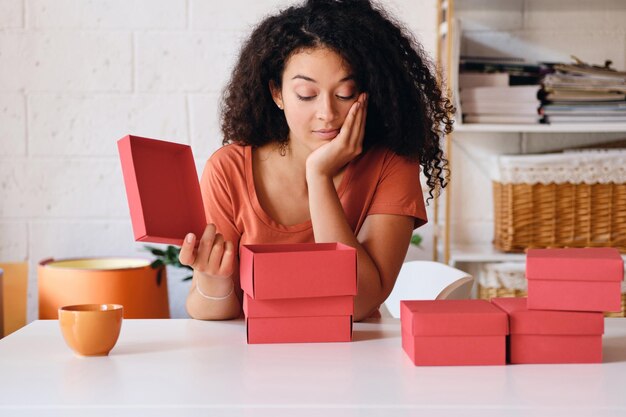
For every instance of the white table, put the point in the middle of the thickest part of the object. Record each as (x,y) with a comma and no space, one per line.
(189,367)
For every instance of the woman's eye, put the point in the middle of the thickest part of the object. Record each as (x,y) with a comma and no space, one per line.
(350,97)
(305,98)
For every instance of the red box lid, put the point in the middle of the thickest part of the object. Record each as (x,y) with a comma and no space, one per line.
(575,264)
(298,270)
(162,189)
(342,305)
(452,317)
(524,321)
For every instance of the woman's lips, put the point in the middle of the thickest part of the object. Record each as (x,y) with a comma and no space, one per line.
(326,133)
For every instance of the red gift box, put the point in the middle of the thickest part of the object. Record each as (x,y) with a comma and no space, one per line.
(576,279)
(453,332)
(544,336)
(162,189)
(299,270)
(342,305)
(299,329)
(298,292)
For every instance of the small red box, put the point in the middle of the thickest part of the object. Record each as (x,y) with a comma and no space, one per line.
(543,336)
(162,189)
(453,332)
(576,279)
(299,329)
(342,305)
(300,270)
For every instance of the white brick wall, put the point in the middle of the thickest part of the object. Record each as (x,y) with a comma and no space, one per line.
(76,75)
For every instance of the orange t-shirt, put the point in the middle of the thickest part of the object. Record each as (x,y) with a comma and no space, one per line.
(377,182)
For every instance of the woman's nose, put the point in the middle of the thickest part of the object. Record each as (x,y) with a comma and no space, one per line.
(326,109)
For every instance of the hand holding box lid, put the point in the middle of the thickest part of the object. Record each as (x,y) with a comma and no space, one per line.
(576,279)
(162,189)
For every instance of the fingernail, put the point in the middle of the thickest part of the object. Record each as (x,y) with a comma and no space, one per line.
(358,104)
(189,238)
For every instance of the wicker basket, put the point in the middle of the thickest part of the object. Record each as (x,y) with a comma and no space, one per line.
(560,200)
(559,215)
(505,279)
(508,279)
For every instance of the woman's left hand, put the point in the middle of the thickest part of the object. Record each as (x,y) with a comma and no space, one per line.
(328,159)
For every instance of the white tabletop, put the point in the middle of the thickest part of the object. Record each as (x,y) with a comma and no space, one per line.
(189,367)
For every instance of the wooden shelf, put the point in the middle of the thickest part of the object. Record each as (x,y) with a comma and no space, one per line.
(541,128)
(485,253)
(481,253)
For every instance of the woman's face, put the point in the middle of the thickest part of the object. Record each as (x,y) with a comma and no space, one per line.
(318,89)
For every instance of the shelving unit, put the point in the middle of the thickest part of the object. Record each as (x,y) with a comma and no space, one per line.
(446,249)
(542,128)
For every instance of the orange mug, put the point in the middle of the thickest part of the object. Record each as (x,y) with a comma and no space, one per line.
(91,329)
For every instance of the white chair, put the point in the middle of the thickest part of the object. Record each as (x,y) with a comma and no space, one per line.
(427,280)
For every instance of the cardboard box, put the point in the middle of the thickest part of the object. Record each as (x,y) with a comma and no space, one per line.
(299,329)
(576,279)
(453,332)
(162,189)
(342,305)
(300,270)
(544,336)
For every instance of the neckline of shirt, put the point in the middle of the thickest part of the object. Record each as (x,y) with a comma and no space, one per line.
(262,214)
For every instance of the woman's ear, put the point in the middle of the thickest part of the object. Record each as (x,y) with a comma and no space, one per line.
(277,95)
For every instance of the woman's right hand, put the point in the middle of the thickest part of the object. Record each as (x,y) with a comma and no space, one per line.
(212,256)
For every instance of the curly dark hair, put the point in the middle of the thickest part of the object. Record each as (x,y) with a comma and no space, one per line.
(408,111)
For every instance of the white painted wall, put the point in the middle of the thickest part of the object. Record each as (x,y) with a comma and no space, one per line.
(76,75)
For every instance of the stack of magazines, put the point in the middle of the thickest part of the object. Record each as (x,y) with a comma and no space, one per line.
(582,93)
(499,90)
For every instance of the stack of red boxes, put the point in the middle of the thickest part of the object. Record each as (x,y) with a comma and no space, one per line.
(562,320)
(298,292)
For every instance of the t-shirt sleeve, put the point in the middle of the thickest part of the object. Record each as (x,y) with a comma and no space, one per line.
(399,190)
(216,196)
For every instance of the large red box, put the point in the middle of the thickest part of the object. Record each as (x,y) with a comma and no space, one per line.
(453,332)
(544,336)
(576,279)
(162,189)
(295,293)
(300,270)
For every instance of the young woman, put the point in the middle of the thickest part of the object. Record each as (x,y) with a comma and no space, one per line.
(330,111)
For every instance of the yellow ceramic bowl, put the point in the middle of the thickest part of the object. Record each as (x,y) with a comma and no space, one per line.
(91,329)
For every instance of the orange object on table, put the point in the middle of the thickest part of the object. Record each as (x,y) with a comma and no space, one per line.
(91,329)
(133,283)
(15,294)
